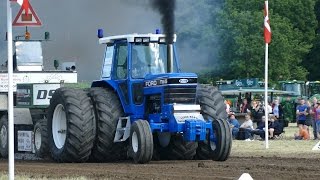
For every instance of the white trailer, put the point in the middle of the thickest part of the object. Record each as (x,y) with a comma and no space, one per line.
(33,88)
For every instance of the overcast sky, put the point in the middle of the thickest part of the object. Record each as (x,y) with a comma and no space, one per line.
(73,27)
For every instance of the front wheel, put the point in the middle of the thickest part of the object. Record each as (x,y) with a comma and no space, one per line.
(213,107)
(220,149)
(141,142)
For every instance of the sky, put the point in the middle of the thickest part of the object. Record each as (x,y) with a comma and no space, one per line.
(73,28)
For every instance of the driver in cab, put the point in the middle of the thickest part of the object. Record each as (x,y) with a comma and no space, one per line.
(138,66)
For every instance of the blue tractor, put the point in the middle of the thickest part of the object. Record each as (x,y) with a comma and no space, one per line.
(142,108)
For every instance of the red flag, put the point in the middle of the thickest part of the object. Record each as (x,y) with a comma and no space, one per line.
(267,28)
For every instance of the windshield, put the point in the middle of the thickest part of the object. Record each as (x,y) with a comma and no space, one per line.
(29,53)
(314,88)
(149,58)
(297,88)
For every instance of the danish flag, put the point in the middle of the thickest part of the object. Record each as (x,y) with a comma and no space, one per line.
(267,28)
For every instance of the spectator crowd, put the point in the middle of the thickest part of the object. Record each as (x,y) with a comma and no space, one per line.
(279,115)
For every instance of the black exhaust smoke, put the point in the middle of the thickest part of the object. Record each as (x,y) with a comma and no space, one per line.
(166,9)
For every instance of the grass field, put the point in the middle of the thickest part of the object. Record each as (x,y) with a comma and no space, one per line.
(285,147)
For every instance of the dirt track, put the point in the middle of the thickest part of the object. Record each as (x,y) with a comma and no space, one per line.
(258,168)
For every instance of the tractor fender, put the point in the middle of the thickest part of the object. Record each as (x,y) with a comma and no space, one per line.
(109,84)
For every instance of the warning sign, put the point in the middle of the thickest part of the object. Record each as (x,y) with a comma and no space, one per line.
(30,19)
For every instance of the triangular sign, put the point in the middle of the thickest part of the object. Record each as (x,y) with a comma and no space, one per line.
(22,19)
(245,176)
(316,147)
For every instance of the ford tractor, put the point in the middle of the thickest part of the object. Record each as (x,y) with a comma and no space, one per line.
(142,108)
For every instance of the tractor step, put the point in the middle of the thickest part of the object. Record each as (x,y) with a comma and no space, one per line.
(123,129)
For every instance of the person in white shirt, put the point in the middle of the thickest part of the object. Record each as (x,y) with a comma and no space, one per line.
(247,127)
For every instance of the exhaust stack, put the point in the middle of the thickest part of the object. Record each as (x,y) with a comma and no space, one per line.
(170,58)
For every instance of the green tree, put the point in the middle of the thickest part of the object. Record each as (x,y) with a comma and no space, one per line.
(232,31)
(312,61)
(241,30)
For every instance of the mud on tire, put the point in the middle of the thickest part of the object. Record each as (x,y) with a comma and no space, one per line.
(107,109)
(213,107)
(71,125)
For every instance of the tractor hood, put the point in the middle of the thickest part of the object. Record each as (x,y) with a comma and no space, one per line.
(170,78)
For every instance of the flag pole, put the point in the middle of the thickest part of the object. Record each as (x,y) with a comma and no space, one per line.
(10,92)
(266,98)
(267,38)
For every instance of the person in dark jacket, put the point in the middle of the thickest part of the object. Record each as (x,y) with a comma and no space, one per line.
(274,127)
(260,128)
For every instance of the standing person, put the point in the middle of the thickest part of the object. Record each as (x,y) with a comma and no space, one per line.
(288,110)
(308,116)
(234,125)
(313,113)
(278,112)
(316,126)
(247,127)
(257,112)
(245,106)
(302,113)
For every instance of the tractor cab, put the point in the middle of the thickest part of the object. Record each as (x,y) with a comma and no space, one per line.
(142,66)
(297,87)
(313,88)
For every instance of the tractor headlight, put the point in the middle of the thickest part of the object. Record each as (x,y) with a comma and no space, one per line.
(146,40)
(162,40)
(141,40)
(138,40)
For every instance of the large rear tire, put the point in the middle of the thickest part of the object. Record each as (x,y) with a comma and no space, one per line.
(108,109)
(71,125)
(40,131)
(178,149)
(213,107)
(4,136)
(141,142)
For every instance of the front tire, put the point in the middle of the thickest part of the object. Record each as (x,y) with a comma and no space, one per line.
(213,107)
(141,142)
(71,125)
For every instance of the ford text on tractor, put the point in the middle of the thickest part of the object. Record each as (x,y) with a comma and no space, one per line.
(143,107)
(33,88)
